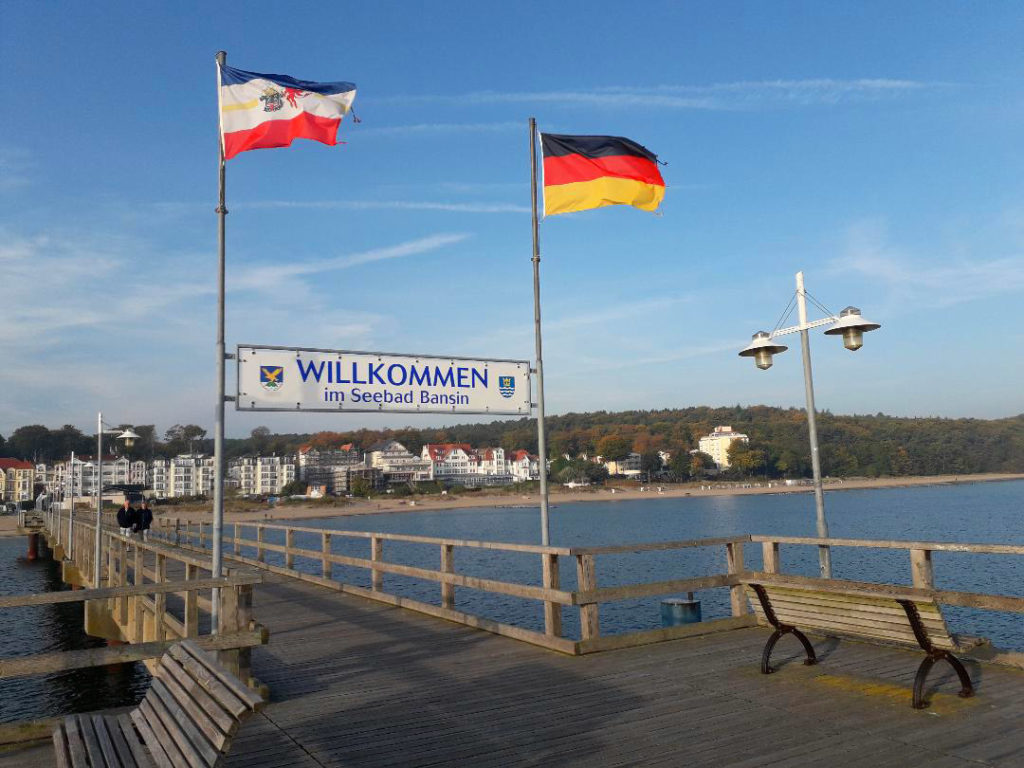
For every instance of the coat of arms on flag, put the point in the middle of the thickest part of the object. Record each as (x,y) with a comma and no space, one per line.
(271,377)
(506,385)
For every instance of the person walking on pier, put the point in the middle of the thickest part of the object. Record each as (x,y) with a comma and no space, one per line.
(144,519)
(126,518)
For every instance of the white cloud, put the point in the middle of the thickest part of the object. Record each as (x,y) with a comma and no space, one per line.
(745,94)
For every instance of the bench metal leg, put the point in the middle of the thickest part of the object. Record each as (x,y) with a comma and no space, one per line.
(966,688)
(783,629)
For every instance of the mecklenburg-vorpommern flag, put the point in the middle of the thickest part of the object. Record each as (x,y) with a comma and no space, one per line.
(263,111)
(582,172)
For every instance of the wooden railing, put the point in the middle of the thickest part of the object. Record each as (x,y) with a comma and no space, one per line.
(248,543)
(131,602)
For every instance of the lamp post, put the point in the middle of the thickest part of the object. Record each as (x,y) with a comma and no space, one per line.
(852,326)
(129,438)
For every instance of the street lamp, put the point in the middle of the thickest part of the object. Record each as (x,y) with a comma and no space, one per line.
(129,438)
(851,326)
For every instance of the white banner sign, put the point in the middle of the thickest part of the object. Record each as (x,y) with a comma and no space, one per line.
(294,379)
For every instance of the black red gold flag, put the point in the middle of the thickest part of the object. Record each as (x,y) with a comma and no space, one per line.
(582,172)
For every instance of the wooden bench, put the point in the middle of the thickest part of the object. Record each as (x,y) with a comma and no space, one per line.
(858,610)
(187,719)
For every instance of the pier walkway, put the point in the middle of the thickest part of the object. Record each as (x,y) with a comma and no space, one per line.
(358,680)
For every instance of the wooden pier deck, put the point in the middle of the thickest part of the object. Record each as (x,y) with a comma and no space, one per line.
(357,683)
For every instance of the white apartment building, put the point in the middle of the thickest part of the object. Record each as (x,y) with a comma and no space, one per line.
(262,475)
(398,464)
(523,466)
(451,461)
(116,471)
(16,480)
(187,474)
(716,445)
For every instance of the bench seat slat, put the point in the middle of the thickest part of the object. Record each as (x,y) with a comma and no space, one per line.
(932,623)
(76,746)
(196,714)
(170,670)
(92,743)
(131,737)
(196,741)
(252,700)
(124,753)
(156,736)
(60,747)
(892,635)
(882,605)
(210,682)
(110,756)
(173,729)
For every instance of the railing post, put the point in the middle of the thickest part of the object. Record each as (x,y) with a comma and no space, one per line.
(177,531)
(191,604)
(289,542)
(552,611)
(325,548)
(921,569)
(228,618)
(243,623)
(123,579)
(447,566)
(202,535)
(734,559)
(236,540)
(586,581)
(160,630)
(376,555)
(259,543)
(770,555)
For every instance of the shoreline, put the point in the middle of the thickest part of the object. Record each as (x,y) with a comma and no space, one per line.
(559,495)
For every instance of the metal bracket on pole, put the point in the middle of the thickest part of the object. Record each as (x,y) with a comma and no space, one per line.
(229,356)
(229,398)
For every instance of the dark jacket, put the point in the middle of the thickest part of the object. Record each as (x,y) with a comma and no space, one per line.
(125,517)
(143,518)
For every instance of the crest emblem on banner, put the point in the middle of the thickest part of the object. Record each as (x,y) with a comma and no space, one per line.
(272,99)
(507,385)
(271,377)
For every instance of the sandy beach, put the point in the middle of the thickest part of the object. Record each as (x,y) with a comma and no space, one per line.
(559,495)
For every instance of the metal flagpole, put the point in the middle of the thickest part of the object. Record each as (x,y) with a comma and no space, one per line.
(545,530)
(824,554)
(218,428)
(99,502)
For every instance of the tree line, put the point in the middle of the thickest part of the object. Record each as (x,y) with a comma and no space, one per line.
(851,446)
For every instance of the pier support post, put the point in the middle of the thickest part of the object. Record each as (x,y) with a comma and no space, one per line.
(376,555)
(586,581)
(33,547)
(447,566)
(552,611)
(734,560)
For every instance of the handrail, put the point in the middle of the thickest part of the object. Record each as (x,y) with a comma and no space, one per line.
(81,595)
(935,546)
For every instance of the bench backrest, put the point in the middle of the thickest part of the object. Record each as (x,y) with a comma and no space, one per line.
(193,708)
(874,617)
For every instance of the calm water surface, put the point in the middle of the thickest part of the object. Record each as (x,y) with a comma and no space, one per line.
(976,513)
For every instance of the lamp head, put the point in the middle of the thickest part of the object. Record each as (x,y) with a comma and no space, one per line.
(129,438)
(761,348)
(852,327)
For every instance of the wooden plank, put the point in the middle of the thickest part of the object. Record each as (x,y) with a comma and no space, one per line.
(447,566)
(770,556)
(168,730)
(44,663)
(194,713)
(936,546)
(110,754)
(170,670)
(252,699)
(921,569)
(610,594)
(81,595)
(586,581)
(865,602)
(184,719)
(163,753)
(656,546)
(552,610)
(92,744)
(76,746)
(636,639)
(734,562)
(116,736)
(60,747)
(222,694)
(851,615)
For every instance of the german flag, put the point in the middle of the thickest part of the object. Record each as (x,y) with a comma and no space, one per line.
(582,172)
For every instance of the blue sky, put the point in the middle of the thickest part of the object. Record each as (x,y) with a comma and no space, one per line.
(875,146)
